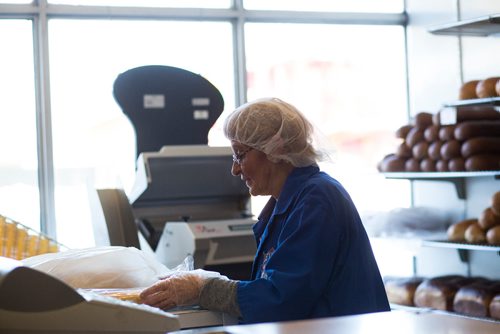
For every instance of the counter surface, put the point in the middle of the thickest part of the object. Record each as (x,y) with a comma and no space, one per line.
(385,322)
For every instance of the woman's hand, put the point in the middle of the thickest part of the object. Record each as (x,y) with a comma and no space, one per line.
(177,289)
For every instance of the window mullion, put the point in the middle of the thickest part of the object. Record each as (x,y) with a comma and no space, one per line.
(44,125)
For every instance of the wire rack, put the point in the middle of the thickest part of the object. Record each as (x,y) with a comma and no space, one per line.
(18,241)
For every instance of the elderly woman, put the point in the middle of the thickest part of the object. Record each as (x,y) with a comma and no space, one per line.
(314,258)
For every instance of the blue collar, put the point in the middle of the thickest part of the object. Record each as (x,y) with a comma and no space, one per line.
(295,181)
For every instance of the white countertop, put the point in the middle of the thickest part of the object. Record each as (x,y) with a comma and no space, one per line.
(385,322)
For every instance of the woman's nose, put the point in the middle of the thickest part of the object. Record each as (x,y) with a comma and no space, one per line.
(236,169)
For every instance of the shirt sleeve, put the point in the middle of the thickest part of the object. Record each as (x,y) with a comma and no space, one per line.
(220,295)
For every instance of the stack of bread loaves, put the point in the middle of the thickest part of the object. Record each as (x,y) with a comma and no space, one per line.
(472,296)
(469,141)
(471,144)
(485,229)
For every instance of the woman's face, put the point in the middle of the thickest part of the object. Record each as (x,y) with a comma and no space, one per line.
(255,170)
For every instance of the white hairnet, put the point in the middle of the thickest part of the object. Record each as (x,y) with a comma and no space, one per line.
(274,127)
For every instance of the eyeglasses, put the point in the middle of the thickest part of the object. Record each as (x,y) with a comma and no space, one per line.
(238,158)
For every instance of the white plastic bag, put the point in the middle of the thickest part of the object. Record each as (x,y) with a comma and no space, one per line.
(101,267)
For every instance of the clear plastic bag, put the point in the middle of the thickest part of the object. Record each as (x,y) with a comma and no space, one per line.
(104,267)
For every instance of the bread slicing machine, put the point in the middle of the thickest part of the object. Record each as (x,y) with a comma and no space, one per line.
(185,200)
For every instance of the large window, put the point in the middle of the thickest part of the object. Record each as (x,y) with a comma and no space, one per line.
(94,143)
(19,198)
(348,78)
(350,82)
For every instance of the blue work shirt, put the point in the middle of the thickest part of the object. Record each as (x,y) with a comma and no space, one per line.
(314,258)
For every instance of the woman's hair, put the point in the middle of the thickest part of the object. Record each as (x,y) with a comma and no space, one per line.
(276,128)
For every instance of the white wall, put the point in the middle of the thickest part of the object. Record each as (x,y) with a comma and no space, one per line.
(436,67)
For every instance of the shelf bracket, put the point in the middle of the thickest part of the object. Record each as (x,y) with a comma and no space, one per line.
(463,254)
(458,182)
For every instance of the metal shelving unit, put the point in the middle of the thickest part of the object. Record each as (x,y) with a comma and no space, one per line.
(457,178)
(481,27)
(486,102)
(462,248)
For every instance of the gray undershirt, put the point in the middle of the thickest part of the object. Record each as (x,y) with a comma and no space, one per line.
(220,295)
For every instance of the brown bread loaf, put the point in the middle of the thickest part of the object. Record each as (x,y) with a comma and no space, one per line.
(456,232)
(434,150)
(423,119)
(475,234)
(419,151)
(468,90)
(493,235)
(495,203)
(428,165)
(442,166)
(450,149)
(482,162)
(470,129)
(497,87)
(495,307)
(474,299)
(402,132)
(438,292)
(402,290)
(447,133)
(431,133)
(456,164)
(486,88)
(481,145)
(471,113)
(414,136)
(403,151)
(412,165)
(392,163)
(488,219)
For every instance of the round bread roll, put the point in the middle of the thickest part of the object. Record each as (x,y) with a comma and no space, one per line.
(456,232)
(493,235)
(475,234)
(468,90)
(497,87)
(488,219)
(495,203)
(487,87)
